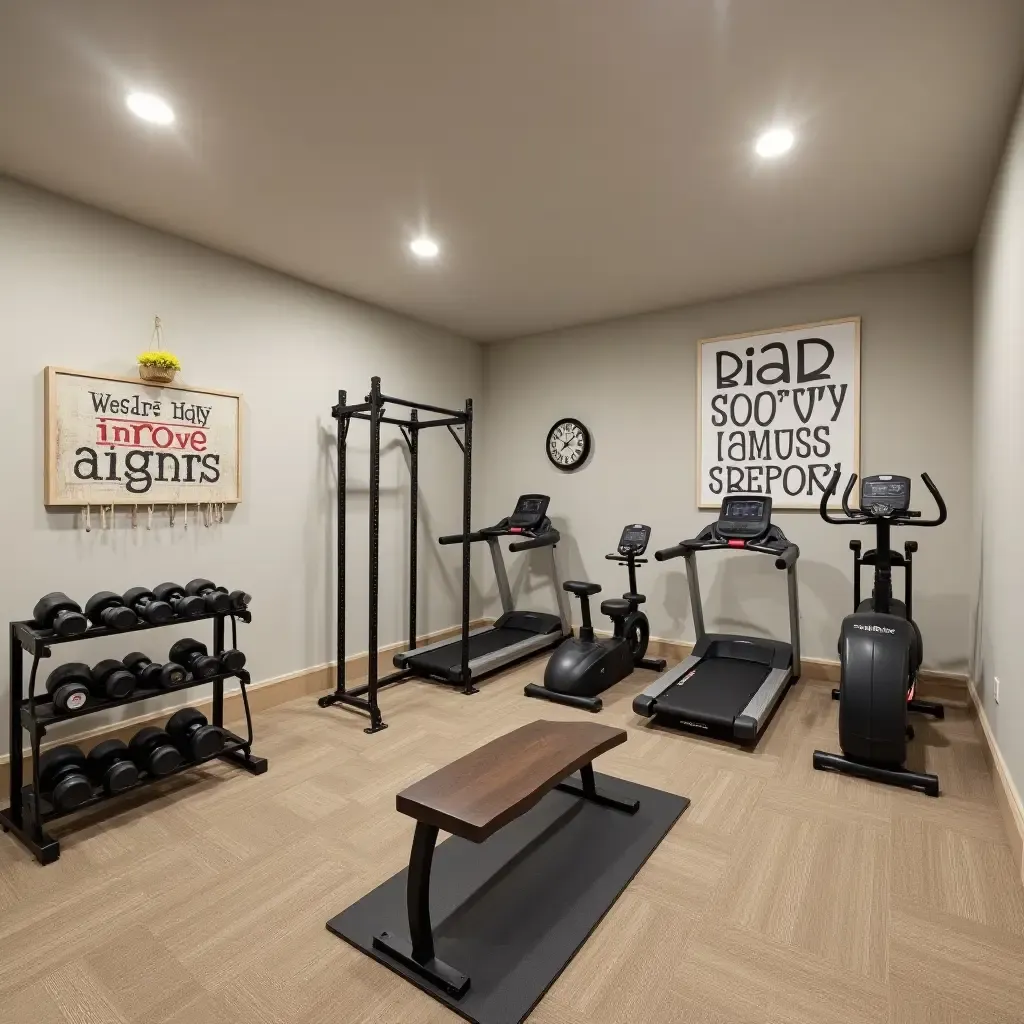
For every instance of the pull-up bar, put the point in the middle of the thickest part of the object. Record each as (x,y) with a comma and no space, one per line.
(364,697)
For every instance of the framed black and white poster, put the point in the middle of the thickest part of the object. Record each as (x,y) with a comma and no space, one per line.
(777,411)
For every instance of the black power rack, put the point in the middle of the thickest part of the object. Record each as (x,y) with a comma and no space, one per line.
(372,409)
(28,812)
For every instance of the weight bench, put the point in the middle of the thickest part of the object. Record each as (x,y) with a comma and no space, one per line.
(474,797)
(495,792)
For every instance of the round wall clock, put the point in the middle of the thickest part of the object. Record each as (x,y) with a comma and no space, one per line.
(568,444)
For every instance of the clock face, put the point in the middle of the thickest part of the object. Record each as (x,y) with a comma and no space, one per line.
(568,444)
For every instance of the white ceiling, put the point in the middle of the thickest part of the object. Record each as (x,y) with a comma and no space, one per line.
(578,159)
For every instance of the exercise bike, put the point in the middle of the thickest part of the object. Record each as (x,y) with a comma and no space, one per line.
(582,667)
(880,645)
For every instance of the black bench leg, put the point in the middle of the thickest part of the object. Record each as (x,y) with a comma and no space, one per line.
(589,791)
(418,955)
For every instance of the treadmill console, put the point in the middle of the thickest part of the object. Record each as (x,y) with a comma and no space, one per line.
(529,514)
(744,517)
(634,540)
(885,495)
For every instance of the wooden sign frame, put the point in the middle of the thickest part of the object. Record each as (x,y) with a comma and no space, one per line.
(52,496)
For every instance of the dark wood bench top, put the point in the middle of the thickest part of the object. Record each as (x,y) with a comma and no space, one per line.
(480,793)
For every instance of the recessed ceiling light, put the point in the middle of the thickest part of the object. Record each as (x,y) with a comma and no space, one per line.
(150,107)
(425,248)
(774,142)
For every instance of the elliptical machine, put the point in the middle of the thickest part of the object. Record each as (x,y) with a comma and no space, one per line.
(880,646)
(582,667)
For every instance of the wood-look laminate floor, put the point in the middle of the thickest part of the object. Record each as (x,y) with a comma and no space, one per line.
(783,895)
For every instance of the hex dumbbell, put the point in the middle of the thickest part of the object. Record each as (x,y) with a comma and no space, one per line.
(111,680)
(58,612)
(145,604)
(216,600)
(110,765)
(108,609)
(193,735)
(152,751)
(153,675)
(63,779)
(68,686)
(186,606)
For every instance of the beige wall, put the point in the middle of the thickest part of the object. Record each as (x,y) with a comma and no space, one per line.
(632,382)
(80,289)
(999,439)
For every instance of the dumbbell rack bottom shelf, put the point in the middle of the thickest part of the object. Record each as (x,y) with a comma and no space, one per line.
(46,849)
(34,713)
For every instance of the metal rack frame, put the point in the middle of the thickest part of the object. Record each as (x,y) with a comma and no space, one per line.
(28,810)
(373,410)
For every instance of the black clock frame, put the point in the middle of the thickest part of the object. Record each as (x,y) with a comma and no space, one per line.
(586,444)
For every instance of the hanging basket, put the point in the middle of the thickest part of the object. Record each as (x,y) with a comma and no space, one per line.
(157,374)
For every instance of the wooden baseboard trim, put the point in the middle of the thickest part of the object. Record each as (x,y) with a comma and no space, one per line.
(1007,797)
(263,695)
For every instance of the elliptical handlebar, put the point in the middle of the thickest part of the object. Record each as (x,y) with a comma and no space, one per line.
(934,491)
(833,485)
(853,516)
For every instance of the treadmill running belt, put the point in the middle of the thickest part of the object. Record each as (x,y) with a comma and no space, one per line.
(716,693)
(443,660)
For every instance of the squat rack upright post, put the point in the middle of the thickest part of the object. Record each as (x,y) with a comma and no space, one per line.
(373,409)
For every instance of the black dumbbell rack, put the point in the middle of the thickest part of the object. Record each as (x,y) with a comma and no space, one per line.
(28,811)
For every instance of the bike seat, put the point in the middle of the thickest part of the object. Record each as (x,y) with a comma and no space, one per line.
(635,598)
(615,607)
(581,589)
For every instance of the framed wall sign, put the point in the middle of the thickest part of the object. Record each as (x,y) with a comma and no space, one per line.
(777,411)
(121,441)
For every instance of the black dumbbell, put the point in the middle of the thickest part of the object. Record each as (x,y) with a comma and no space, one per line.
(110,765)
(107,609)
(111,680)
(63,779)
(239,599)
(193,735)
(216,600)
(68,686)
(186,606)
(58,612)
(145,604)
(152,751)
(192,655)
(150,674)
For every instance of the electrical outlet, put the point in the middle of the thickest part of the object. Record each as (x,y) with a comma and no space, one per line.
(995,688)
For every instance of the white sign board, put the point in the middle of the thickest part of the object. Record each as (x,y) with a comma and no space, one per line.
(119,441)
(777,412)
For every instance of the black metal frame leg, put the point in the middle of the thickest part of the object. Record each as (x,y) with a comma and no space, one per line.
(589,791)
(418,954)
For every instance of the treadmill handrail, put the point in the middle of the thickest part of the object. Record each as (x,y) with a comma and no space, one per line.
(456,538)
(785,557)
(543,540)
(675,551)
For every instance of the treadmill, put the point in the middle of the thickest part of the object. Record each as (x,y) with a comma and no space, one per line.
(516,634)
(730,684)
